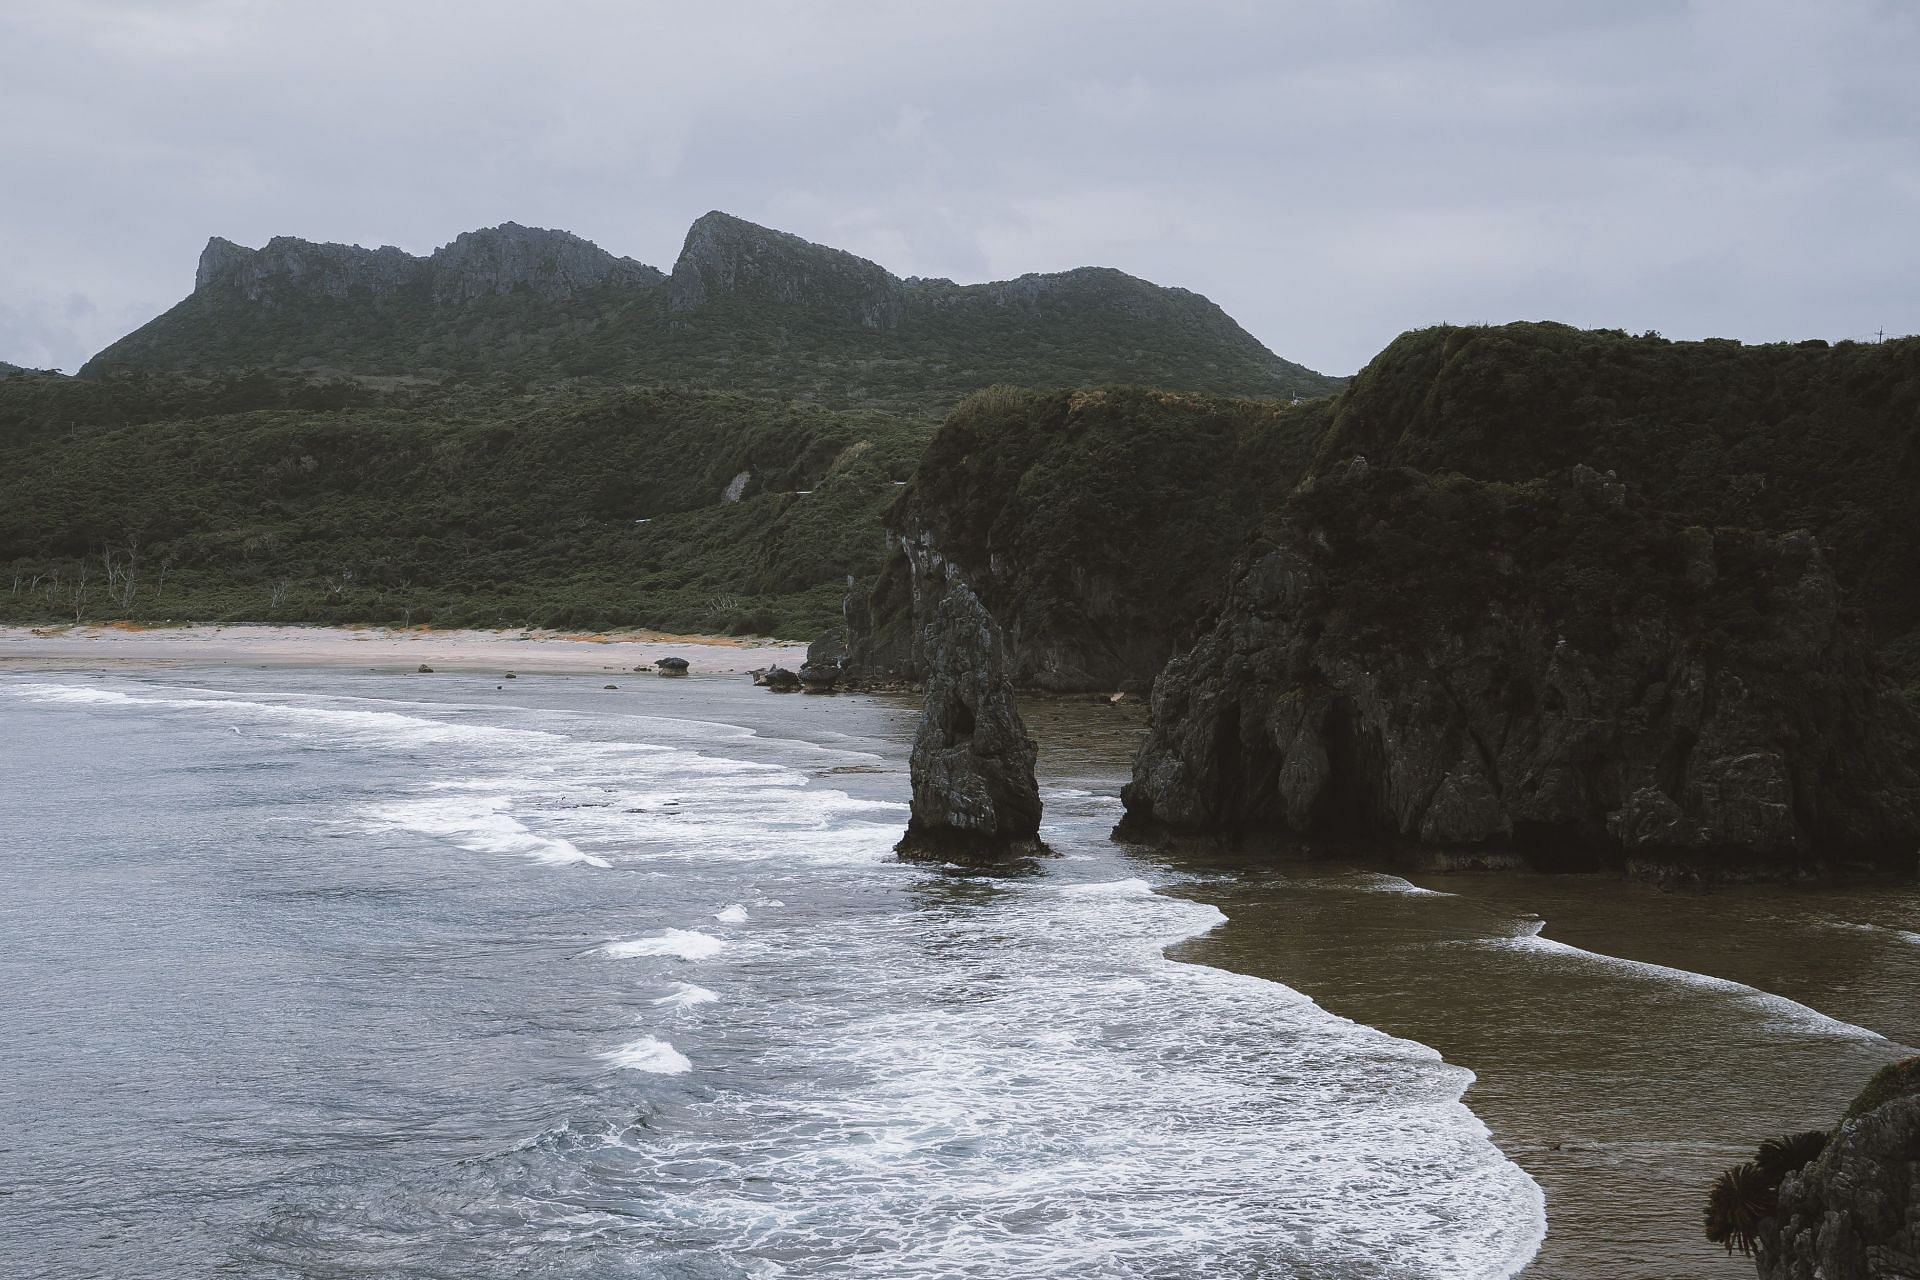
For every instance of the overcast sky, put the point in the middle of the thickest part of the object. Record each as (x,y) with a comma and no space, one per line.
(1331,173)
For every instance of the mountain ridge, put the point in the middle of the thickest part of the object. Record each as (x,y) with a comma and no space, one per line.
(745,307)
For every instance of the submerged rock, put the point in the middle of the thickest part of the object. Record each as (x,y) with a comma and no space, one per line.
(670,666)
(974,794)
(1541,667)
(1854,1213)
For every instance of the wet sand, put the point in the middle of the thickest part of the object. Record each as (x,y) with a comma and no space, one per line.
(381,648)
(1628,1043)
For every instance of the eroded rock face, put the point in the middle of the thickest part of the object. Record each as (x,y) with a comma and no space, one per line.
(1096,525)
(550,265)
(1543,668)
(1853,1214)
(727,257)
(974,794)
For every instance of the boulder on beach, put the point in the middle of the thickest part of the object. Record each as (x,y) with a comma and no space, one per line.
(425,670)
(780,680)
(820,677)
(672,666)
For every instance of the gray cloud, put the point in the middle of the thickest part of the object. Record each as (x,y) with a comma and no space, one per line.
(1330,174)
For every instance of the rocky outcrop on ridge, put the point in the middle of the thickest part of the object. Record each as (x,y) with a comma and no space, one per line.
(1854,1213)
(728,258)
(974,794)
(747,308)
(549,265)
(1546,667)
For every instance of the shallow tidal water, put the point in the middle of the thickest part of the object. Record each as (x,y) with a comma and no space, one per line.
(319,974)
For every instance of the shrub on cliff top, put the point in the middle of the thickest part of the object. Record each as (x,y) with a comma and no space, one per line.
(1894,1080)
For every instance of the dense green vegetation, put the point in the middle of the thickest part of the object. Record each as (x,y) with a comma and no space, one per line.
(1772,437)
(276,498)
(756,311)
(1116,512)
(1103,522)
(487,497)
(625,335)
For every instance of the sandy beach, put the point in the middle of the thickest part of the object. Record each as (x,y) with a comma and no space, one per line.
(381,648)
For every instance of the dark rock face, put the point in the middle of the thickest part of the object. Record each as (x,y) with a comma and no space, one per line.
(1854,1214)
(550,265)
(820,677)
(974,794)
(780,680)
(671,666)
(727,257)
(1541,667)
(1096,525)
(829,649)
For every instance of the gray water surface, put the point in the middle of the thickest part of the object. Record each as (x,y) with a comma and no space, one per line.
(319,975)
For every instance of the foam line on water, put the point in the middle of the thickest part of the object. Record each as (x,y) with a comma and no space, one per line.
(1127,1115)
(686,995)
(1782,1013)
(735,809)
(1381,882)
(483,824)
(649,1054)
(1853,926)
(680,944)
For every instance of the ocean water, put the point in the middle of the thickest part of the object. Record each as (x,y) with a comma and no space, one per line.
(311,974)
(316,974)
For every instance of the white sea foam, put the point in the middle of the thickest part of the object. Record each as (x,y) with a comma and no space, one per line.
(1904,935)
(1783,1015)
(681,944)
(649,1054)
(968,1077)
(483,824)
(1132,887)
(735,914)
(1380,882)
(1127,1116)
(651,800)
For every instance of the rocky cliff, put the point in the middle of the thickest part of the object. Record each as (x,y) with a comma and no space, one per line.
(1097,526)
(747,308)
(1854,1213)
(1552,668)
(974,794)
(727,259)
(550,265)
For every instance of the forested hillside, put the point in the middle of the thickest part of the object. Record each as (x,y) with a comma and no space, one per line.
(274,498)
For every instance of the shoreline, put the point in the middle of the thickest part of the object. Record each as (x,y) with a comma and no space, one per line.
(92,646)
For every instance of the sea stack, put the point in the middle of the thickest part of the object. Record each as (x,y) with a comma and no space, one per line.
(974,795)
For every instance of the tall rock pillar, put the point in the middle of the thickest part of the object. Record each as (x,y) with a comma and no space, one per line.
(974,795)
